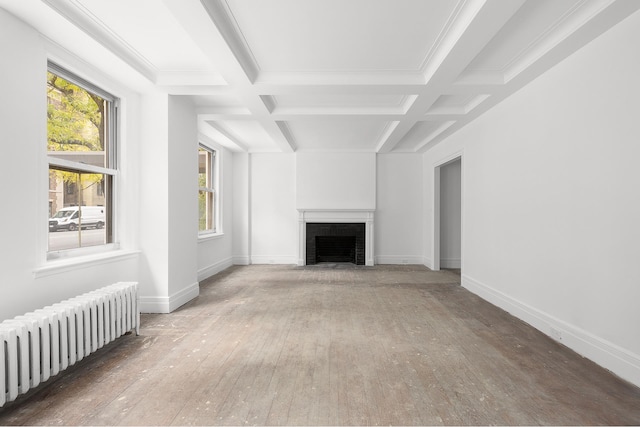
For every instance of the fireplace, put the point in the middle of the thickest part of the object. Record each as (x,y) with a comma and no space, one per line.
(335,236)
(335,242)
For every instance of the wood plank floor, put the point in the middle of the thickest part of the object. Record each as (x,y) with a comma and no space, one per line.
(269,345)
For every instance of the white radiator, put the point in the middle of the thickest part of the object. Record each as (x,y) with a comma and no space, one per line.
(38,345)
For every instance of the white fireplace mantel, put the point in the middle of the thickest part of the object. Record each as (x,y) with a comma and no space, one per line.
(365,216)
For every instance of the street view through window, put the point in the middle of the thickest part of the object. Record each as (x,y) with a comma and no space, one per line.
(81,165)
(206,192)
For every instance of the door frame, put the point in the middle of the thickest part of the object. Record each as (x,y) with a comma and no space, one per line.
(435,242)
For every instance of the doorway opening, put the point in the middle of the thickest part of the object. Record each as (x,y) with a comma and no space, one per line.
(447,230)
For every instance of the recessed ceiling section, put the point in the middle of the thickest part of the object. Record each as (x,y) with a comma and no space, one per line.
(337,36)
(161,42)
(219,104)
(247,135)
(341,103)
(346,75)
(520,37)
(326,134)
(458,104)
(420,135)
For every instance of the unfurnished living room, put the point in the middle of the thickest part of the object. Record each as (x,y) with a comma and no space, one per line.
(320,212)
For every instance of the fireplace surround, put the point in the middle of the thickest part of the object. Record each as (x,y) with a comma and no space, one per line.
(341,225)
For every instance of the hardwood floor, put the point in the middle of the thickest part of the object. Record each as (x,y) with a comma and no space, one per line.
(336,345)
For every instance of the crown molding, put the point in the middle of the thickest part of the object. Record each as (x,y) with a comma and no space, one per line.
(220,136)
(554,35)
(286,133)
(386,133)
(340,77)
(269,102)
(423,146)
(459,22)
(81,17)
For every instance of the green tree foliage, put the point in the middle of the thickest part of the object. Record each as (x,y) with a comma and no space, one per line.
(75,117)
(75,122)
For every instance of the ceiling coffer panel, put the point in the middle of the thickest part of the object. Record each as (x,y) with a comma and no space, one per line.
(160,41)
(341,134)
(323,75)
(337,35)
(245,133)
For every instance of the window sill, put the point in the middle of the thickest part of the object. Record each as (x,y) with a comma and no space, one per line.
(70,264)
(204,237)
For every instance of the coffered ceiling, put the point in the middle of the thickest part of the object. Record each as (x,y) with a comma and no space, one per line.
(317,75)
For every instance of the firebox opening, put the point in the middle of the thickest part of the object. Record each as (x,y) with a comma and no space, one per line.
(336,249)
(335,243)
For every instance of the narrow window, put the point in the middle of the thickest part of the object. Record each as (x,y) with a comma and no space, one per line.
(81,129)
(207,194)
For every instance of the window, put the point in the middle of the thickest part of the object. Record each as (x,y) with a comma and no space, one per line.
(207,194)
(81,153)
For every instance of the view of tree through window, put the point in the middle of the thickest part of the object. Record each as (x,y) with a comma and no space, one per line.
(80,169)
(206,191)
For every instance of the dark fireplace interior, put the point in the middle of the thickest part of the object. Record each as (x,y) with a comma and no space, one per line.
(335,242)
(336,249)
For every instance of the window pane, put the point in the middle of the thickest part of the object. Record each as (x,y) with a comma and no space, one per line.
(204,168)
(80,209)
(76,123)
(205,208)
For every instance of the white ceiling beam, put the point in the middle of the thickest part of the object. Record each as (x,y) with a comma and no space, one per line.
(261,112)
(476,24)
(222,45)
(195,20)
(608,14)
(221,136)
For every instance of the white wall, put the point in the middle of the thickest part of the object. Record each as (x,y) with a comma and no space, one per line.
(183,201)
(274,219)
(399,214)
(154,202)
(215,253)
(240,204)
(171,255)
(450,214)
(28,281)
(551,206)
(391,184)
(336,180)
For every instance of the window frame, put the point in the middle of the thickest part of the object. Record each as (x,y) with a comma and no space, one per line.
(213,188)
(110,171)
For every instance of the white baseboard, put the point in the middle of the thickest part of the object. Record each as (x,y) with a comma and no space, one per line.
(427,262)
(267,259)
(241,260)
(618,360)
(170,303)
(398,259)
(215,268)
(450,263)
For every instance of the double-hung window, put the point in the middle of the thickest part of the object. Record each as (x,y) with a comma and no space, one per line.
(207,194)
(81,154)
